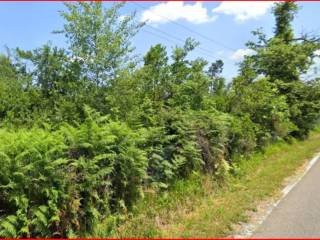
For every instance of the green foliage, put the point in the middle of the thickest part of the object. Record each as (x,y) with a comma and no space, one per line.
(55,183)
(85,130)
(99,38)
(172,149)
(284,14)
(261,102)
(283,59)
(304,102)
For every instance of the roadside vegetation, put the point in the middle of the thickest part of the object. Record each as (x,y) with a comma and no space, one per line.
(90,135)
(200,206)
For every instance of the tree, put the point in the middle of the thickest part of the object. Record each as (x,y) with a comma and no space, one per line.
(284,14)
(189,82)
(261,101)
(217,84)
(16,94)
(283,59)
(49,67)
(215,69)
(9,89)
(100,38)
(155,70)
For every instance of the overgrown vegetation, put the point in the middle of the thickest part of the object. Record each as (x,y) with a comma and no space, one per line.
(199,207)
(86,131)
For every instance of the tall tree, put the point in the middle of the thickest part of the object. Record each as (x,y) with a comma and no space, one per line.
(99,37)
(283,59)
(284,14)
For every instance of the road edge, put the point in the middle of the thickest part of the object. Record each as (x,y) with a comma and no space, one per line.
(248,229)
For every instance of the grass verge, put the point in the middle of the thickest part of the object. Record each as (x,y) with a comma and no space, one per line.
(198,207)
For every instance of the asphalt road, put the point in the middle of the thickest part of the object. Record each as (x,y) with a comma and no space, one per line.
(298,213)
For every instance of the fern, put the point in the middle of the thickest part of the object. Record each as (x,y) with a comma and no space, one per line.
(8,227)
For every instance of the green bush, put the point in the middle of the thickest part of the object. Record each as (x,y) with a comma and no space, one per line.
(60,183)
(172,149)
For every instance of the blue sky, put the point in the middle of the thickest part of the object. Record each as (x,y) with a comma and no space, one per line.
(222,28)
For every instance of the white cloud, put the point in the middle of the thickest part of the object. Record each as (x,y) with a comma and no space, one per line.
(172,11)
(244,10)
(317,53)
(241,53)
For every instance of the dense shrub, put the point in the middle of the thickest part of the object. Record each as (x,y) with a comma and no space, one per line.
(56,183)
(172,149)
